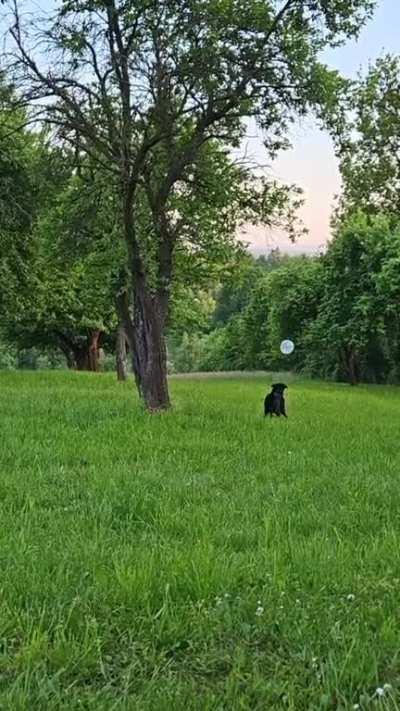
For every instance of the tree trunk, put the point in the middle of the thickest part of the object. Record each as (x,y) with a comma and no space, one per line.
(353,369)
(121,355)
(123,311)
(87,355)
(82,358)
(94,352)
(150,349)
(147,329)
(351,365)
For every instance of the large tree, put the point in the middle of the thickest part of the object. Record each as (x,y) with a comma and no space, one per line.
(355,335)
(369,141)
(143,86)
(54,297)
(30,175)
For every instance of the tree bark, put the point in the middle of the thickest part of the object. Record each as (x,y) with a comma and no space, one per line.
(87,356)
(147,330)
(150,348)
(121,354)
(94,351)
(353,369)
(82,358)
(351,365)
(123,311)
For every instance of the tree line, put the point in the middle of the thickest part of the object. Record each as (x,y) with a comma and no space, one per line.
(341,309)
(120,199)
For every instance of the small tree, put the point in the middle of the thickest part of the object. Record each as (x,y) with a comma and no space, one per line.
(144,86)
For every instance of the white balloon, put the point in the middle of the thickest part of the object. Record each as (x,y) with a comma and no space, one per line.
(287,347)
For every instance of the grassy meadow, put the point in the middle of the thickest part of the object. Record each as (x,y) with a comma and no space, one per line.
(204,559)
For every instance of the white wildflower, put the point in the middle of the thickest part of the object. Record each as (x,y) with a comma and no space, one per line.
(351,597)
(382,690)
(259,611)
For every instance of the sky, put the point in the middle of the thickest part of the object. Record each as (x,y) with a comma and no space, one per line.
(311,162)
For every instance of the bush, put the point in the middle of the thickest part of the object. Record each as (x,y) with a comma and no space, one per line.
(8,359)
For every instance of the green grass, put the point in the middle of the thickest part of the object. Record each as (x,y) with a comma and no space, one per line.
(202,559)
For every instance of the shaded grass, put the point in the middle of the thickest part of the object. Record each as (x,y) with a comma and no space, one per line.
(202,559)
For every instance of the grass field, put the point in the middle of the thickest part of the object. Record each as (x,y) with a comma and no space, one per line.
(204,559)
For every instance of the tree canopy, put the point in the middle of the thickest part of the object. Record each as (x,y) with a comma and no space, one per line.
(143,88)
(369,144)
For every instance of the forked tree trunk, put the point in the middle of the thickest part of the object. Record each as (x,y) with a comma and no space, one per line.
(146,331)
(150,349)
(121,354)
(87,356)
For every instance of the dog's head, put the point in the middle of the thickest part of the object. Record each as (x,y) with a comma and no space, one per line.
(279,387)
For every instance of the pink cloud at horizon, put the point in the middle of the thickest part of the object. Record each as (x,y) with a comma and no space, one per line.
(310,164)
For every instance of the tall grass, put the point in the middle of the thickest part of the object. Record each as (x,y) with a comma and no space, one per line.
(203,559)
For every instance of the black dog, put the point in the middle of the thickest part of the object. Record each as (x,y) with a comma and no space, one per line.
(274,403)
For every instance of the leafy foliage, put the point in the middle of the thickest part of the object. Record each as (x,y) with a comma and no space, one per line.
(147,89)
(355,335)
(63,289)
(369,144)
(341,310)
